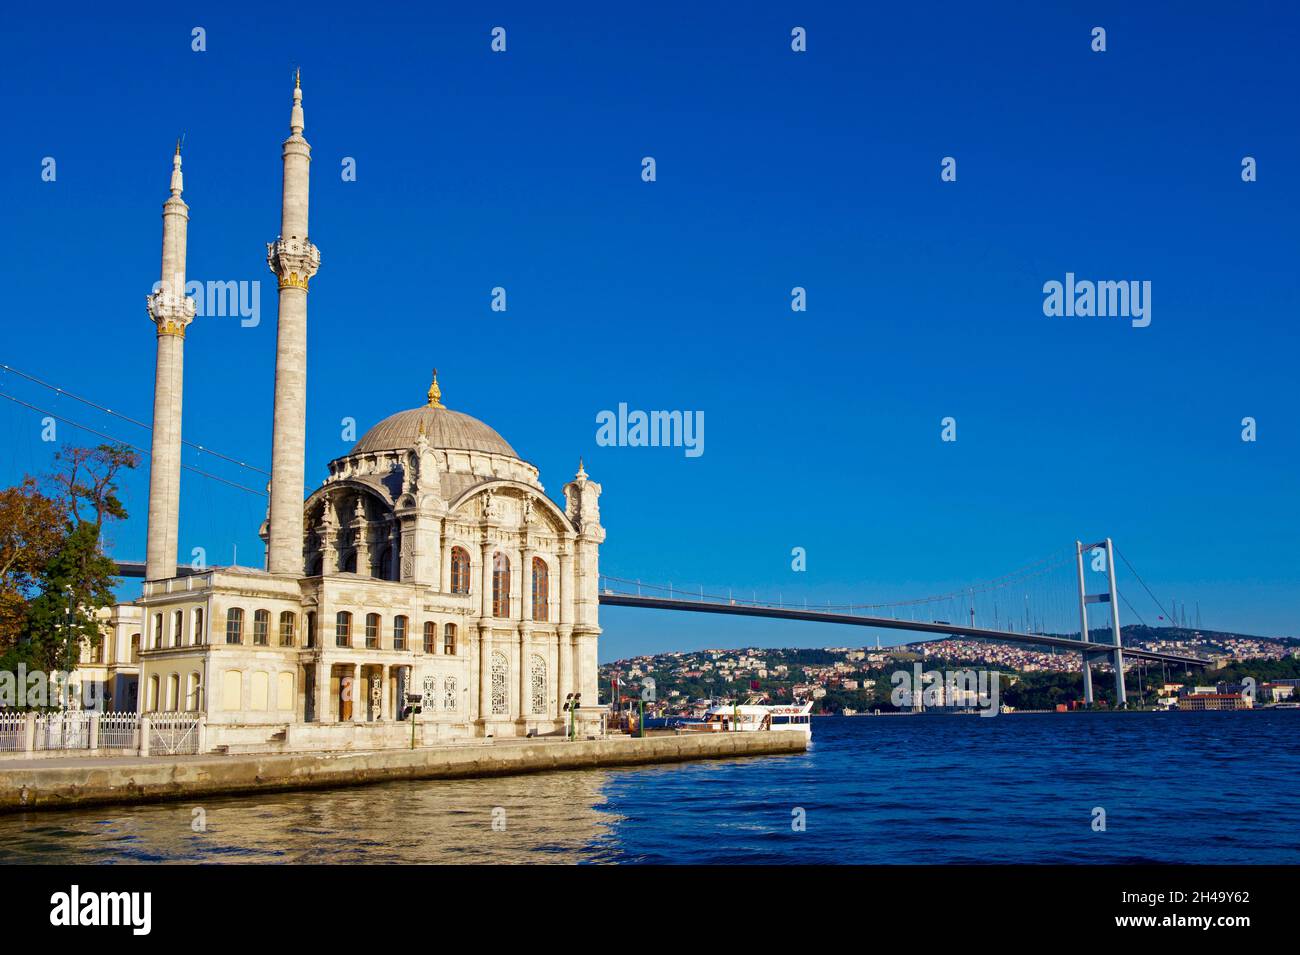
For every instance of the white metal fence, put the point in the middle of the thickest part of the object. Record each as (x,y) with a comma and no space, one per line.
(69,730)
(13,727)
(119,731)
(86,730)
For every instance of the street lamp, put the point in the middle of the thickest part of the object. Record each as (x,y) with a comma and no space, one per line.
(571,703)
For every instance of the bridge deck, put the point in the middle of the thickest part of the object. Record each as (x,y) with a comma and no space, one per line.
(1099,650)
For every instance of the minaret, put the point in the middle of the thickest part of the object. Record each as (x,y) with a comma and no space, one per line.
(294,260)
(171,311)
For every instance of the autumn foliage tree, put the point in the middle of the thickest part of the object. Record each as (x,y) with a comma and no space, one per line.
(70,579)
(32,527)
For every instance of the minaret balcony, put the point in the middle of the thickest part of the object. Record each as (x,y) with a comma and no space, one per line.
(170,312)
(293,260)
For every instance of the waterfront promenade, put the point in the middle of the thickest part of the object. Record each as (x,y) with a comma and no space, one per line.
(74,781)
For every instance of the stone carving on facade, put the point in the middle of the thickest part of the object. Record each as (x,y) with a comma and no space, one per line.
(500,676)
(537,685)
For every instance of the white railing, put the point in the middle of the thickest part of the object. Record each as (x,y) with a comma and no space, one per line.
(119,730)
(13,728)
(168,734)
(89,731)
(173,734)
(69,730)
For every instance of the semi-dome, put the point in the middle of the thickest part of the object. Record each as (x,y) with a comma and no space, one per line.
(443,428)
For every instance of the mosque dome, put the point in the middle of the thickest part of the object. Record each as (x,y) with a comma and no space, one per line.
(442,427)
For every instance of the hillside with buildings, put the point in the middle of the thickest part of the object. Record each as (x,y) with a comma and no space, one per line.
(858,679)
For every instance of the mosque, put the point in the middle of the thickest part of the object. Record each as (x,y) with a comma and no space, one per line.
(429,563)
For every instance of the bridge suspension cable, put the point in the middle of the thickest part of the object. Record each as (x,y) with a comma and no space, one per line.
(1040,597)
(127,418)
(141,451)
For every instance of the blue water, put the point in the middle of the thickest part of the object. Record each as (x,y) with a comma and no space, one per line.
(1175,787)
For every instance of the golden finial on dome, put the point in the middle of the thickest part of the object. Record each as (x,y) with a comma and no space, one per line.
(297,78)
(435,393)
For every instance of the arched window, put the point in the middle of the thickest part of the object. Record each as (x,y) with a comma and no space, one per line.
(192,691)
(178,628)
(541,590)
(287,623)
(430,637)
(459,570)
(261,625)
(97,651)
(311,629)
(151,704)
(372,631)
(173,702)
(234,625)
(399,633)
(449,640)
(135,648)
(199,636)
(343,629)
(156,643)
(500,585)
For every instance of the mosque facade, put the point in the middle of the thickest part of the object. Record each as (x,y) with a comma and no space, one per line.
(430,570)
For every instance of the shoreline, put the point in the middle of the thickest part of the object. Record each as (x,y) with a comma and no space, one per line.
(85,781)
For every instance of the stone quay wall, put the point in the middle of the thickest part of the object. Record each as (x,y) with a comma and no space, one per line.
(51,784)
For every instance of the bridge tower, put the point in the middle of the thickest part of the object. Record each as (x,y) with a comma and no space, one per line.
(1111,597)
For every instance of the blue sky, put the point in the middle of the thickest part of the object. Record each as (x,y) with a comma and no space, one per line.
(775,169)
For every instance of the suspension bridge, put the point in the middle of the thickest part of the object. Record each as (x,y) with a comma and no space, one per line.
(917,615)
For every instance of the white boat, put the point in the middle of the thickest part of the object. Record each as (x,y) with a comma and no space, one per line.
(754,715)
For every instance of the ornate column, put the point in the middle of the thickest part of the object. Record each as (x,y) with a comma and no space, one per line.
(566,581)
(564,632)
(383,694)
(322,691)
(525,673)
(294,260)
(328,532)
(484,672)
(361,536)
(473,685)
(525,583)
(171,311)
(358,695)
(487,580)
(444,559)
